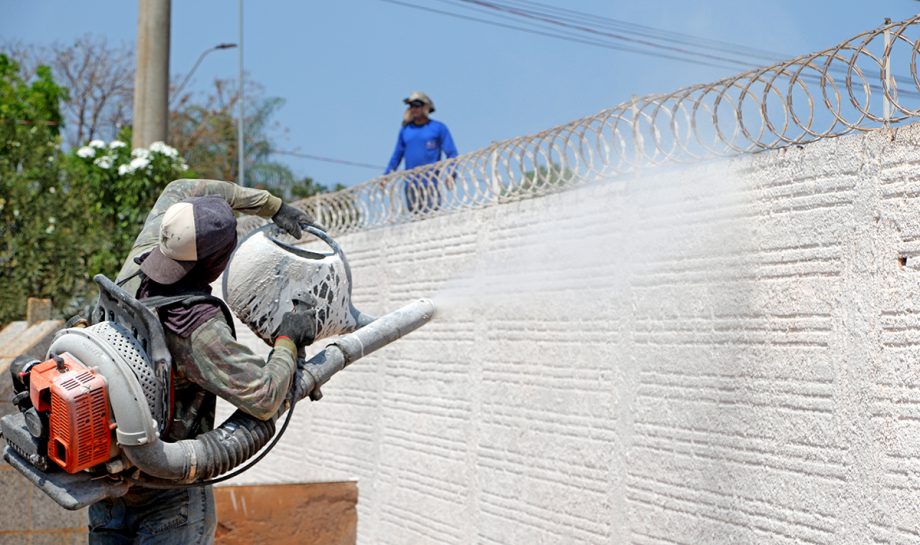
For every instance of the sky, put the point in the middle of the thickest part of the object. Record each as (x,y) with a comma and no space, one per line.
(343,68)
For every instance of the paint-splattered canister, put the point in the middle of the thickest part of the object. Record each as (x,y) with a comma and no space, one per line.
(266,275)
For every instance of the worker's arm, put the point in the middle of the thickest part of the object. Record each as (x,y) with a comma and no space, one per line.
(450,151)
(397,153)
(242,199)
(447,143)
(230,370)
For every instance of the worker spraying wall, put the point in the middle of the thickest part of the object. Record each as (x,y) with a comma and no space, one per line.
(715,354)
(93,416)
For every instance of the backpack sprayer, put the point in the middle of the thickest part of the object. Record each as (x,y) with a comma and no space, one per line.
(90,415)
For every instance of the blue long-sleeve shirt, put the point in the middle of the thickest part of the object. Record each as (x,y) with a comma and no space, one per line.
(422,145)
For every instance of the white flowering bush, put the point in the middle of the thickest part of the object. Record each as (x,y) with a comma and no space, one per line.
(138,162)
(121,185)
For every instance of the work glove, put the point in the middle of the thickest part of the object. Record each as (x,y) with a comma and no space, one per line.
(299,325)
(303,384)
(292,219)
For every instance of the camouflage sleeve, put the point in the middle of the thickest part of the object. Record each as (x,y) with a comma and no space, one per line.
(230,370)
(242,199)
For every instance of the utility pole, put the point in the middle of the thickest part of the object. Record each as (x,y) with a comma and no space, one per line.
(240,145)
(151,77)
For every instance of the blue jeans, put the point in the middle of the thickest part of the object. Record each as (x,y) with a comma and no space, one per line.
(145,516)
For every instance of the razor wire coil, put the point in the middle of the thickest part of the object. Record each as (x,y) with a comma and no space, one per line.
(847,88)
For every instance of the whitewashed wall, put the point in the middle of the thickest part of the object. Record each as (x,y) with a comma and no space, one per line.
(722,354)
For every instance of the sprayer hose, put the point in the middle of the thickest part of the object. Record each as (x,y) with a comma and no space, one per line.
(231,444)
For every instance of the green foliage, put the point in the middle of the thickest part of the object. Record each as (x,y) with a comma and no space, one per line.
(537,182)
(31,202)
(307,187)
(206,132)
(120,186)
(65,217)
(292,190)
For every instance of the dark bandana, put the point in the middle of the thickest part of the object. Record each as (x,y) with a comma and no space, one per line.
(183,320)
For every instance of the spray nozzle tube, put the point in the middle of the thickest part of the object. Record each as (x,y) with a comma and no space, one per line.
(241,436)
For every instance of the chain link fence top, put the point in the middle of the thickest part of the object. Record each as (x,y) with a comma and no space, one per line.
(863,83)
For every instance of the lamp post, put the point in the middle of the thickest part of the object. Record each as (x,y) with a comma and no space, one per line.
(201,57)
(241,175)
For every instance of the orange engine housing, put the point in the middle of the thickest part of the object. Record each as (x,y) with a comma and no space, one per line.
(77,402)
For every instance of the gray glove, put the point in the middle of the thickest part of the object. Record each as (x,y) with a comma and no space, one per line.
(292,219)
(304,384)
(299,325)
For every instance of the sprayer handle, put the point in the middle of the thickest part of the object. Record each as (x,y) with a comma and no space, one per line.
(299,325)
(292,220)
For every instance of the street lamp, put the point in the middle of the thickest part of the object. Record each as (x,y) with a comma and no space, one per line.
(195,67)
(241,174)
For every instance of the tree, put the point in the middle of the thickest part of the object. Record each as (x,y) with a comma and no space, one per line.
(306,187)
(101,83)
(65,217)
(120,186)
(207,134)
(99,78)
(33,210)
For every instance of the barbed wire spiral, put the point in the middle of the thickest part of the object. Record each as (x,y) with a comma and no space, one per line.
(857,85)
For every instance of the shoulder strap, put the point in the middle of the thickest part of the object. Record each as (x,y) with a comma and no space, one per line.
(124,280)
(158,302)
(138,260)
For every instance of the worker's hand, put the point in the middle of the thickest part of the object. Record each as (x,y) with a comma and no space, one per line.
(303,384)
(299,325)
(292,220)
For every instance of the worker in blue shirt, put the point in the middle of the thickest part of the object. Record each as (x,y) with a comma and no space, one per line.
(421,141)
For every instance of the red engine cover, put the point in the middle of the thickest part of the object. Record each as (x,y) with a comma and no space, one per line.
(80,426)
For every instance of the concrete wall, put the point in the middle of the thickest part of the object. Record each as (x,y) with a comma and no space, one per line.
(721,354)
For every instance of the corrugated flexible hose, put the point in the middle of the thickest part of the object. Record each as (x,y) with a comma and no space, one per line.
(199,461)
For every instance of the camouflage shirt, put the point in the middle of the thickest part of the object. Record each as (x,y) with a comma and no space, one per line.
(210,361)
(241,199)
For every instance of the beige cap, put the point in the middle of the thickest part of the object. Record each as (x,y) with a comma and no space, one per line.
(421,97)
(177,232)
(191,230)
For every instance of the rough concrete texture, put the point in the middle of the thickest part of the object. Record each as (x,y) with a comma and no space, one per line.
(29,517)
(287,514)
(720,354)
(22,338)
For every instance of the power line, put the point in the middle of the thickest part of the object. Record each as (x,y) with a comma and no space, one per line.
(326,159)
(647,31)
(555,23)
(549,13)
(597,43)
(582,28)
